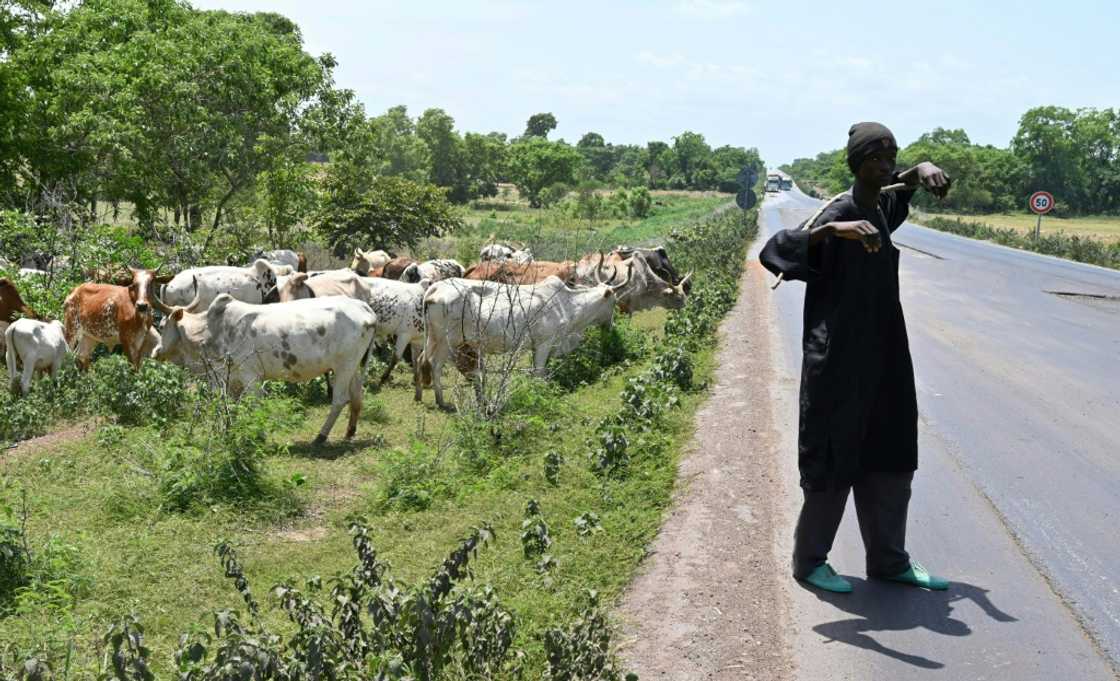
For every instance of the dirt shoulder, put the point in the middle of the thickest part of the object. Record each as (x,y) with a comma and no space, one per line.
(711,600)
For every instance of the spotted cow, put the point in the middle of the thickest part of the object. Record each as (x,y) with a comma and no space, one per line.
(111,314)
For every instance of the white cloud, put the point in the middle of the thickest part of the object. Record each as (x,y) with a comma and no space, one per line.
(661,60)
(713,9)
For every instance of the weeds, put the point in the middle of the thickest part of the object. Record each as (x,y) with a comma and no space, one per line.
(1069,246)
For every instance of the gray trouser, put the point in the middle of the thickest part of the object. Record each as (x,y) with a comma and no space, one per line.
(881,503)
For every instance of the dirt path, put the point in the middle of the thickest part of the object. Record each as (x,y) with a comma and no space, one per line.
(711,601)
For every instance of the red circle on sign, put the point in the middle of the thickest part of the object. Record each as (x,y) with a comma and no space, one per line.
(1041,202)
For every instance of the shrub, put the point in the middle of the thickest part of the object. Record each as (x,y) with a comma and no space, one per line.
(641,203)
(1070,246)
(218,456)
(601,350)
(156,394)
(411,479)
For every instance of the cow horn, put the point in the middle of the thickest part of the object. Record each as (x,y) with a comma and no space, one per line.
(196,302)
(159,305)
(683,286)
(629,273)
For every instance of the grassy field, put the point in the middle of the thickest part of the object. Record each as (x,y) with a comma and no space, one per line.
(1104,227)
(97,503)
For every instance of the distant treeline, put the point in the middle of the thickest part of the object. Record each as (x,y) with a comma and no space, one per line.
(1074,154)
(168,110)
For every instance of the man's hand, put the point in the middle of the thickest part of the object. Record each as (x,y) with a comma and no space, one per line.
(856,230)
(929,176)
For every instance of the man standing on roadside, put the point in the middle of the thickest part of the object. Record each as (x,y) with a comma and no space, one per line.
(859,412)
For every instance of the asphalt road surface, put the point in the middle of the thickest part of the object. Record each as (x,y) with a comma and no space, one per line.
(1017,496)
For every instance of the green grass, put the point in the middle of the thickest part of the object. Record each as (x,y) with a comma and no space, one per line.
(103,499)
(553,234)
(1104,227)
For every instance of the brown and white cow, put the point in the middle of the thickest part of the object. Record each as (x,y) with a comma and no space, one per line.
(509,272)
(112,315)
(11,303)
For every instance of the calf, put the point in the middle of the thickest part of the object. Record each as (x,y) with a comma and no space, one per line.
(112,315)
(294,341)
(466,319)
(11,303)
(247,284)
(397,304)
(38,347)
(432,270)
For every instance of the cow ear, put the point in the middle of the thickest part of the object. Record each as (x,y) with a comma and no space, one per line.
(163,278)
(177,315)
(299,278)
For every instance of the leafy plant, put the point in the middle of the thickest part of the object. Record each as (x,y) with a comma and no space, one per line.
(582,650)
(535,539)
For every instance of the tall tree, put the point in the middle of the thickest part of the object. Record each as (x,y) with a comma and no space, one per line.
(437,129)
(536,163)
(539,125)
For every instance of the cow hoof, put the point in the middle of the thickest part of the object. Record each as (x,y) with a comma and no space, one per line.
(350,433)
(449,408)
(319,439)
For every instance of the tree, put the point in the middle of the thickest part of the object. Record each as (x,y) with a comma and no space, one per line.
(536,163)
(155,103)
(384,212)
(691,153)
(484,162)
(437,130)
(397,148)
(539,125)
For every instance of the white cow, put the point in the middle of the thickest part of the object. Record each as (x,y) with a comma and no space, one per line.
(432,270)
(284,256)
(247,284)
(37,346)
(297,341)
(495,252)
(468,318)
(397,304)
(364,261)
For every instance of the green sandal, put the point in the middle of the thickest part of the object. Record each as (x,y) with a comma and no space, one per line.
(824,577)
(917,575)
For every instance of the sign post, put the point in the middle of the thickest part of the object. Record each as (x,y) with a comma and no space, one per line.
(1040,203)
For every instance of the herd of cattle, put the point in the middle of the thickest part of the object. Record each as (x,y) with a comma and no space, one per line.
(273,320)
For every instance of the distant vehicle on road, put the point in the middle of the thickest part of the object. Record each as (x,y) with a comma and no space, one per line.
(773,183)
(786,183)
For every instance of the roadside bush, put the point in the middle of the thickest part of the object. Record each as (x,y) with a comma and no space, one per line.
(23,418)
(1069,246)
(641,203)
(600,351)
(582,650)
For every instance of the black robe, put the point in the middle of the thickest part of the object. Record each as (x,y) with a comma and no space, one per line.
(859,411)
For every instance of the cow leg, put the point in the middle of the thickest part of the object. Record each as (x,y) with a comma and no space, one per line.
(435,361)
(398,352)
(28,374)
(338,401)
(468,362)
(540,358)
(84,351)
(355,404)
(418,390)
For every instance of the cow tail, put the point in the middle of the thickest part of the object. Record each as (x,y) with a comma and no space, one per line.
(10,354)
(423,359)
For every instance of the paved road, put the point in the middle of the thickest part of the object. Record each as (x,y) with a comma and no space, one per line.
(1018,494)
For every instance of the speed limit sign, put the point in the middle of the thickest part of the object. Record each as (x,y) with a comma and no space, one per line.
(1041,202)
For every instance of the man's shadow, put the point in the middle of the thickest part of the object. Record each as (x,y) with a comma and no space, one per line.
(885,606)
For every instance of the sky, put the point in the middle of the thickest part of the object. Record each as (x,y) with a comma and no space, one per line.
(786,77)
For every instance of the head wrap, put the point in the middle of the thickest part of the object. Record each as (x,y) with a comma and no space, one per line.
(865,139)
